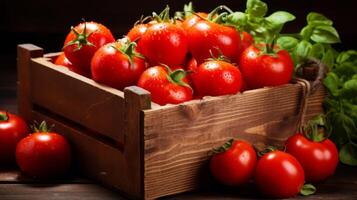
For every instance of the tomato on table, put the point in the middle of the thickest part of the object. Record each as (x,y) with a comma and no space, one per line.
(12,129)
(43,154)
(317,154)
(279,175)
(233,164)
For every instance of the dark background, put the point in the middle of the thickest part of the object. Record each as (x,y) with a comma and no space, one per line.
(46,23)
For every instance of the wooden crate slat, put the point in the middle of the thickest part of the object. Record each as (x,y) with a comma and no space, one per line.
(68,94)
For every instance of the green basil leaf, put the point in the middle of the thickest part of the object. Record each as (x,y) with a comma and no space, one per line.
(303,49)
(347,56)
(306,32)
(317,51)
(325,34)
(346,70)
(256,8)
(280,17)
(348,154)
(318,19)
(349,89)
(308,189)
(332,83)
(329,58)
(288,43)
(237,19)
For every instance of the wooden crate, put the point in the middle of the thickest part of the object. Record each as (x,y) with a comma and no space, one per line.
(129,143)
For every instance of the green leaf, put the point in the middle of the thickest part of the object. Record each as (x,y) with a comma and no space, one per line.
(306,32)
(329,58)
(332,83)
(280,17)
(348,154)
(318,19)
(237,19)
(317,51)
(347,56)
(288,43)
(256,8)
(308,189)
(325,34)
(349,89)
(303,49)
(346,70)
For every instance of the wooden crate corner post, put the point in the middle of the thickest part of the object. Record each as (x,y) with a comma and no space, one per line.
(136,100)
(24,54)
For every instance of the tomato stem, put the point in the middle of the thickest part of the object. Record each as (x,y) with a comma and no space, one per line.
(4,116)
(41,128)
(216,10)
(81,38)
(315,129)
(224,147)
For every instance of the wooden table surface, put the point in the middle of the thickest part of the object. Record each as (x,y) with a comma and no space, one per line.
(343,185)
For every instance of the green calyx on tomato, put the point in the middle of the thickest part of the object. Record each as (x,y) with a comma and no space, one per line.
(164,16)
(81,38)
(217,17)
(188,10)
(128,49)
(224,147)
(41,128)
(315,129)
(4,117)
(266,150)
(177,76)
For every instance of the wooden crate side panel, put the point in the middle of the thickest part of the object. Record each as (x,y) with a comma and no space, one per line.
(95,159)
(78,98)
(177,139)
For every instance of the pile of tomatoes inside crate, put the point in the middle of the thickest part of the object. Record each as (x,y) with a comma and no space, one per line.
(176,59)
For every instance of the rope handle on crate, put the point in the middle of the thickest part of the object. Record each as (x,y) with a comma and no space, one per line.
(309,86)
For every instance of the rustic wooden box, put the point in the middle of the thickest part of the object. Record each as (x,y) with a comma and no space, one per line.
(125,141)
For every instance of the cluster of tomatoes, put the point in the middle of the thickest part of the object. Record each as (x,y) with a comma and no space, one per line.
(278,174)
(175,60)
(42,154)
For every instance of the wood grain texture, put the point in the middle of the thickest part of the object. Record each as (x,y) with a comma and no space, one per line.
(97,107)
(177,138)
(24,54)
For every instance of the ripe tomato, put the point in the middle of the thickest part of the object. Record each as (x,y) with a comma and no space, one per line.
(166,86)
(43,154)
(63,61)
(234,163)
(83,41)
(205,37)
(117,65)
(164,43)
(137,31)
(193,19)
(12,129)
(279,175)
(246,41)
(261,70)
(215,78)
(319,159)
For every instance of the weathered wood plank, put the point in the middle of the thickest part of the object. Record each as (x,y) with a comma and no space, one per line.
(24,54)
(177,138)
(98,108)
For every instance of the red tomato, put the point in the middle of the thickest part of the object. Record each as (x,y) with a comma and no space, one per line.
(279,175)
(12,129)
(166,86)
(43,154)
(137,31)
(193,19)
(117,65)
(164,43)
(63,61)
(261,70)
(214,78)
(235,165)
(319,159)
(205,37)
(246,41)
(83,41)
